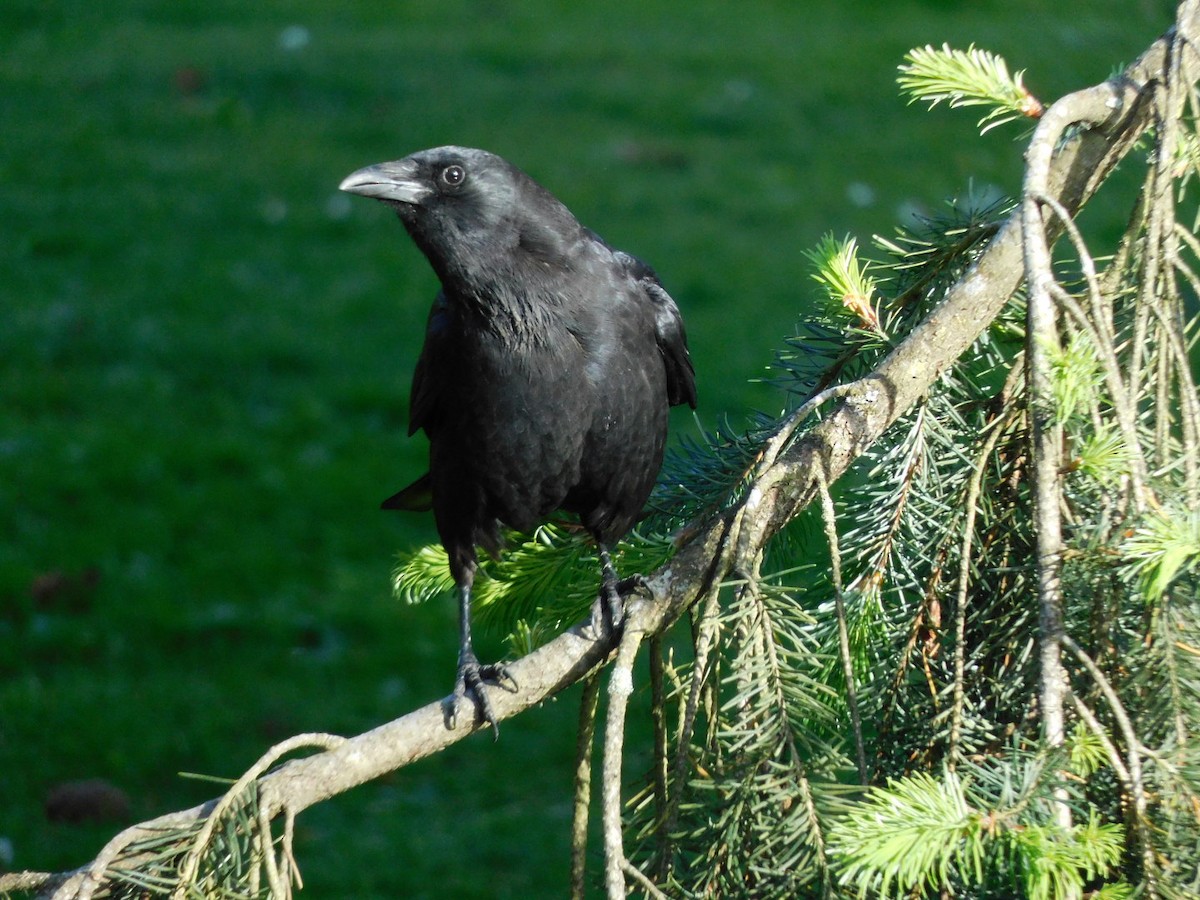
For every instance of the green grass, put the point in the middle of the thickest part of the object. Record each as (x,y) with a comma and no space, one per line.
(205,351)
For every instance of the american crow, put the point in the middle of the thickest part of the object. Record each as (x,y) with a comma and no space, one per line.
(549,364)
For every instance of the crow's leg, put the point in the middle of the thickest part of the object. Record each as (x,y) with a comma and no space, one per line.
(472,675)
(608,612)
(612,605)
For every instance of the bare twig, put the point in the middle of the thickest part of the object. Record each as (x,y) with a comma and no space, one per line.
(1114,755)
(708,628)
(620,686)
(1133,759)
(1099,330)
(829,517)
(974,488)
(237,795)
(645,883)
(1173,331)
(658,714)
(1046,444)
(1089,108)
(280,883)
(583,784)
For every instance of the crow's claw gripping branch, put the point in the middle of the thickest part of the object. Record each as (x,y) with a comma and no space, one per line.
(472,677)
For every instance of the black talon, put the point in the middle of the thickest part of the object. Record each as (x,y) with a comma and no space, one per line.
(632,584)
(472,675)
(471,678)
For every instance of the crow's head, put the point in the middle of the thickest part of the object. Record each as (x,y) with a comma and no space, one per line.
(468,209)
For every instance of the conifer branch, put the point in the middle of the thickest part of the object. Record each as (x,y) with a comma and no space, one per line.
(1046,444)
(1133,762)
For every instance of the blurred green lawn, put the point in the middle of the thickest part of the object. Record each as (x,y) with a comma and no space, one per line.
(205,352)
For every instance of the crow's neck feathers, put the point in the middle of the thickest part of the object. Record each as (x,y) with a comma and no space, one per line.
(487,242)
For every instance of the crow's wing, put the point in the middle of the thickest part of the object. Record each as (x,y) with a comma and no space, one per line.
(417,497)
(668,332)
(672,344)
(423,401)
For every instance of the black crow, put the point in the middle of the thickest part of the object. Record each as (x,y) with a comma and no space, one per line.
(549,364)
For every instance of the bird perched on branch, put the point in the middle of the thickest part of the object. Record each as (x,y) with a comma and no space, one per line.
(549,364)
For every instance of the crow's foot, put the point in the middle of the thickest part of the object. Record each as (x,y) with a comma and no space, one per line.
(608,611)
(471,678)
(632,584)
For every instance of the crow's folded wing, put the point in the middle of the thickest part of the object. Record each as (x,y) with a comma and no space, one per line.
(424,401)
(668,332)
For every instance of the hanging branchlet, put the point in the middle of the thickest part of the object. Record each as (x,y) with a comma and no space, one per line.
(829,518)
(584,741)
(231,851)
(1163,547)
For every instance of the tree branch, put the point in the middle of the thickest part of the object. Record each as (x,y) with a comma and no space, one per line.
(1045,433)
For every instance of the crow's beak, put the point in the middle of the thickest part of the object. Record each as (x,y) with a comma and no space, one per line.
(396,181)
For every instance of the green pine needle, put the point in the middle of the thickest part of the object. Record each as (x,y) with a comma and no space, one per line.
(911,836)
(1103,457)
(1054,864)
(540,582)
(1118,890)
(919,835)
(1165,545)
(972,77)
(846,279)
(1085,751)
(1077,377)
(422,574)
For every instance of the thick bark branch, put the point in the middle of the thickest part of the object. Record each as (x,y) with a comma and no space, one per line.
(1114,117)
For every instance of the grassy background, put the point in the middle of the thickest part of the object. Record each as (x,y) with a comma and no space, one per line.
(205,351)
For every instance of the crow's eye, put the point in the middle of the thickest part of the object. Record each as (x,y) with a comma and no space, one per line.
(453,176)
